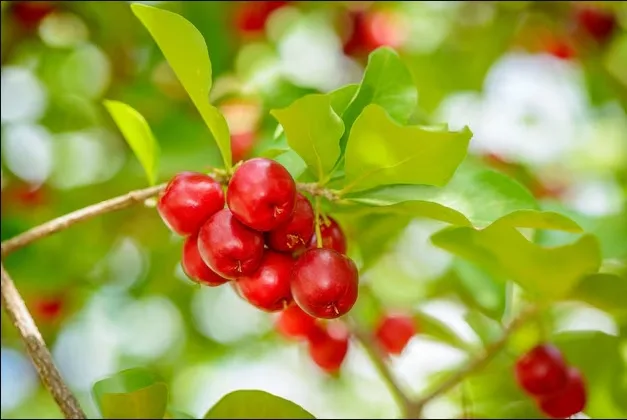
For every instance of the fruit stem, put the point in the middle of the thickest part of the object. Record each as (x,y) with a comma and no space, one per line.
(379,359)
(317,227)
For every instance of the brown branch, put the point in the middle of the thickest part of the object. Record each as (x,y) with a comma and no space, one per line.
(379,358)
(37,350)
(474,365)
(68,220)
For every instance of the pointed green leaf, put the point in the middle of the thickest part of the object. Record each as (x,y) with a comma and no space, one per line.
(550,272)
(605,291)
(294,164)
(381,152)
(342,97)
(539,220)
(386,82)
(138,135)
(186,51)
(433,327)
(249,404)
(487,292)
(313,130)
(131,394)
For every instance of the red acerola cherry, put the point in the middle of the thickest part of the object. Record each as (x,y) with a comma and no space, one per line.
(597,22)
(31,13)
(568,401)
(294,323)
(251,16)
(332,236)
(325,283)
(48,308)
(542,370)
(268,288)
(242,144)
(294,235)
(328,346)
(261,194)
(228,247)
(195,268)
(188,200)
(394,332)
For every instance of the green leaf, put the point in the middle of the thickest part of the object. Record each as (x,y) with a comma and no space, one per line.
(342,97)
(598,356)
(433,327)
(313,130)
(185,50)
(549,272)
(539,220)
(616,59)
(486,291)
(487,329)
(475,196)
(604,291)
(381,152)
(131,394)
(386,82)
(295,165)
(256,405)
(138,135)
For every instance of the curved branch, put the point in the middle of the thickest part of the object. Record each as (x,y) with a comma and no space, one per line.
(488,353)
(37,350)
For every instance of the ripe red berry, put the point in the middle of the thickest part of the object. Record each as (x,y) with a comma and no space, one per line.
(31,13)
(332,236)
(328,346)
(568,401)
(228,247)
(188,200)
(542,370)
(325,283)
(394,332)
(261,194)
(293,322)
(268,288)
(294,235)
(251,16)
(48,308)
(195,268)
(242,144)
(599,23)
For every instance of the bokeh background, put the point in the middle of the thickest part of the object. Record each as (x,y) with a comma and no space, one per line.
(543,86)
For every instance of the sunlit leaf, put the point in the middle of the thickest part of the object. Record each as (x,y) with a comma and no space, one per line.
(313,130)
(486,291)
(131,394)
(341,98)
(604,291)
(381,152)
(138,135)
(249,404)
(185,50)
(387,83)
(549,272)
(438,330)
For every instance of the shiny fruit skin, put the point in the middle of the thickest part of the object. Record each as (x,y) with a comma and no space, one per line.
(295,234)
(325,283)
(568,401)
(332,236)
(542,370)
(188,200)
(228,247)
(328,346)
(261,194)
(195,268)
(294,323)
(394,332)
(268,288)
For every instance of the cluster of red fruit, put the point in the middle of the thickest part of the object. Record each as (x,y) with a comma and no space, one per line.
(328,341)
(558,389)
(264,240)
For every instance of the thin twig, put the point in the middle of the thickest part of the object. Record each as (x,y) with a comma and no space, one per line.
(488,353)
(42,359)
(378,358)
(86,213)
